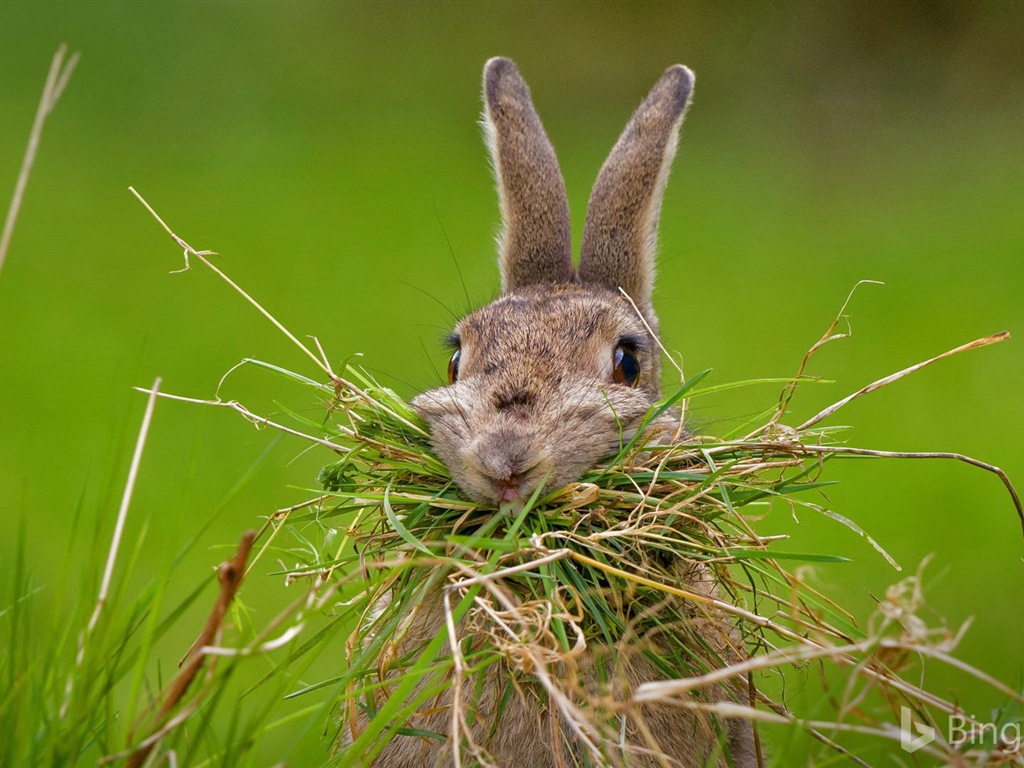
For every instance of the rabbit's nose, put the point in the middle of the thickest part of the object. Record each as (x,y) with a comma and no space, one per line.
(507,478)
(502,454)
(506,462)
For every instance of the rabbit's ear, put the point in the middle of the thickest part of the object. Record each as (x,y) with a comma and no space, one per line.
(535,244)
(621,229)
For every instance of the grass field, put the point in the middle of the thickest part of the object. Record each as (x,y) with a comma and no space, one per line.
(331,154)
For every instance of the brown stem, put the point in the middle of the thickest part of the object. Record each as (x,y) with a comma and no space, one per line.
(230,574)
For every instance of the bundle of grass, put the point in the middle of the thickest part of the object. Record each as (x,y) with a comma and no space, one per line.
(596,564)
(530,590)
(570,598)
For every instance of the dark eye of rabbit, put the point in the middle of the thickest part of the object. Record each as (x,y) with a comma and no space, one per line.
(627,368)
(453,367)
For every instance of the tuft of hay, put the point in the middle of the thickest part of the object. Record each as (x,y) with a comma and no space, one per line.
(526,588)
(594,564)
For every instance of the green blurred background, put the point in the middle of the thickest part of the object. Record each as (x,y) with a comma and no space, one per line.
(331,153)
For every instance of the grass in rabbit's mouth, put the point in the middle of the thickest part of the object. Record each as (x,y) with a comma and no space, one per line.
(596,563)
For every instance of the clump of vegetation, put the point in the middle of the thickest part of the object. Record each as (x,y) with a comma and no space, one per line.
(595,561)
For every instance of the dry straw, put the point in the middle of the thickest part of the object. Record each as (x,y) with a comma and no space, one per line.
(57,78)
(595,564)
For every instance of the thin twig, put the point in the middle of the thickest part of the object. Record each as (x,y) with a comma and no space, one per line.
(558,554)
(458,675)
(338,382)
(201,255)
(824,414)
(681,421)
(56,81)
(230,575)
(841,449)
(255,419)
(126,497)
(657,340)
(826,337)
(115,543)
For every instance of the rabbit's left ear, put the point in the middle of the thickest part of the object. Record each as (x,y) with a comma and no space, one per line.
(621,229)
(535,245)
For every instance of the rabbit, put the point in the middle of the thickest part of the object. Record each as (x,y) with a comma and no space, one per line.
(545,382)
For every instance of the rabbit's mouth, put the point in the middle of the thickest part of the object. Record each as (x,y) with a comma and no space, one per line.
(501,457)
(498,485)
(493,475)
(508,490)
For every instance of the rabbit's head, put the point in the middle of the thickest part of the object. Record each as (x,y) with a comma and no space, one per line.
(550,378)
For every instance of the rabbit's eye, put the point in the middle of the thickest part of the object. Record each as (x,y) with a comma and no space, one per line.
(453,367)
(627,368)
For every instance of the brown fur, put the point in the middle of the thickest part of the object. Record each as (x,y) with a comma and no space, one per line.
(535,386)
(535,403)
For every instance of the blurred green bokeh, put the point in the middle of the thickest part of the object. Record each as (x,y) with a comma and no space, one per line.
(330,152)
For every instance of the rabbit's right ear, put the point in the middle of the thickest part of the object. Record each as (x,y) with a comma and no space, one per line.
(621,229)
(535,244)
